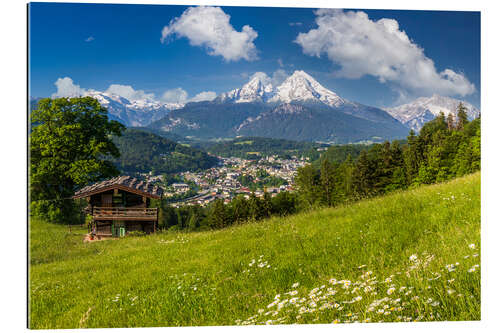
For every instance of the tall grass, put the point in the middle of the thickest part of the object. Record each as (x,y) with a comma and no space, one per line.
(407,256)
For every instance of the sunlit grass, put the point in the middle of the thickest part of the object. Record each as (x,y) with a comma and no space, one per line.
(408,256)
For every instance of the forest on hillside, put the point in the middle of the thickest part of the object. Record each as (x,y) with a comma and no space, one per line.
(142,152)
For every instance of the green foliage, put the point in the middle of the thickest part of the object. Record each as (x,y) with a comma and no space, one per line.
(439,153)
(142,151)
(219,217)
(69,143)
(244,147)
(136,233)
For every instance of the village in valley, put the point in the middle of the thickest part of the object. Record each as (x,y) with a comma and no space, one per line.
(231,177)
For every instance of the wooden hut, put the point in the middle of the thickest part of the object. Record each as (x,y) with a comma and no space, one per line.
(121,205)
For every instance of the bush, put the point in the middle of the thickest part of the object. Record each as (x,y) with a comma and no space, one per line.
(136,233)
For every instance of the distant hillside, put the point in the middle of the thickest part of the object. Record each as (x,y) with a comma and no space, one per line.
(247,147)
(142,151)
(208,120)
(314,122)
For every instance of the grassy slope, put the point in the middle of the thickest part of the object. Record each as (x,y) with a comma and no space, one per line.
(206,278)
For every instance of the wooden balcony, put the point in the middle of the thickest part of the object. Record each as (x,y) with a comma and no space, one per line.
(122,213)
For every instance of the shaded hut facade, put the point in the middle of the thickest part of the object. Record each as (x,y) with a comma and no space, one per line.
(121,205)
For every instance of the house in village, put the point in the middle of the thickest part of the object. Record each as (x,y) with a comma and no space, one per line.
(121,205)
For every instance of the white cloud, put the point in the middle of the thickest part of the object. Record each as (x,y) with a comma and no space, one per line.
(204,96)
(280,62)
(129,93)
(378,48)
(276,78)
(66,88)
(89,39)
(209,27)
(177,95)
(293,24)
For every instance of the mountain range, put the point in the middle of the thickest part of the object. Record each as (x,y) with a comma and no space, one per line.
(300,108)
(415,114)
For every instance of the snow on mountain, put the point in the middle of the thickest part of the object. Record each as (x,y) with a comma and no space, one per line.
(415,114)
(299,87)
(133,113)
(255,90)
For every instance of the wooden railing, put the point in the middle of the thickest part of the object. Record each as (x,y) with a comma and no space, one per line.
(122,213)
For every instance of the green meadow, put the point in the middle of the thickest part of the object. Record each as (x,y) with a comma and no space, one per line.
(407,256)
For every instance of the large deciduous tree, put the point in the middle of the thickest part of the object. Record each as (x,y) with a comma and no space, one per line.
(70,141)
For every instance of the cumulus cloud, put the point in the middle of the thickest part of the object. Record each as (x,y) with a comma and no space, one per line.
(209,27)
(66,88)
(204,96)
(89,39)
(276,78)
(177,95)
(129,93)
(361,46)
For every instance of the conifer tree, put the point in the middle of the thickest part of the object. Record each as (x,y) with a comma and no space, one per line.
(327,181)
(450,121)
(462,116)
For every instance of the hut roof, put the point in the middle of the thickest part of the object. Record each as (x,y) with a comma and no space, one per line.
(125,183)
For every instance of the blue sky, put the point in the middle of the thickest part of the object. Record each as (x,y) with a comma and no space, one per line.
(376,57)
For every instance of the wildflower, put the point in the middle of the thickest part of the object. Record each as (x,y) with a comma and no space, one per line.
(388,280)
(450,291)
(472,246)
(450,267)
(358,298)
(473,268)
(293,292)
(390,290)
(295,285)
(336,321)
(413,257)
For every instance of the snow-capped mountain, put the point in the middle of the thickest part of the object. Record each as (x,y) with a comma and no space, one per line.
(301,87)
(299,108)
(254,90)
(415,114)
(133,113)
(298,87)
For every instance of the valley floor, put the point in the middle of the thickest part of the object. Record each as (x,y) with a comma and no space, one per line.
(408,256)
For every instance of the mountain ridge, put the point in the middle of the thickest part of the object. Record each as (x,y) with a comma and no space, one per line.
(417,112)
